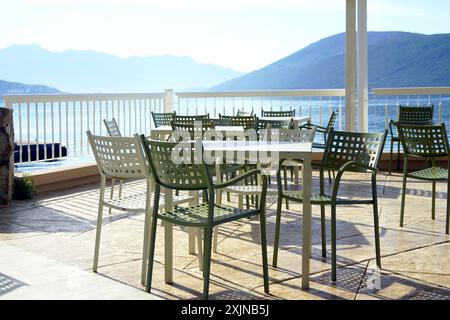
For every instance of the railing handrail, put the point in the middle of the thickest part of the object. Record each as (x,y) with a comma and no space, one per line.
(411,91)
(63,97)
(264,93)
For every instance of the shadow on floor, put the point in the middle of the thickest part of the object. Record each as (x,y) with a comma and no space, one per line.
(8,284)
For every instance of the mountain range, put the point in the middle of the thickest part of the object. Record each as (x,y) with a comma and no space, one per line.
(89,71)
(396,59)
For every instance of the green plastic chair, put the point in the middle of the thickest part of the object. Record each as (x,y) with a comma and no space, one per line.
(194,175)
(163,119)
(345,152)
(277,114)
(430,142)
(325,131)
(411,116)
(248,123)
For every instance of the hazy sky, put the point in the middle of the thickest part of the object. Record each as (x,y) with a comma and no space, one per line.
(241,34)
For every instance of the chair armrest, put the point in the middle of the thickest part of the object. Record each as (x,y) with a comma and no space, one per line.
(311,126)
(391,128)
(236,180)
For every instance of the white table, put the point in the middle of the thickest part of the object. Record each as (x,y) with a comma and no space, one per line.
(284,150)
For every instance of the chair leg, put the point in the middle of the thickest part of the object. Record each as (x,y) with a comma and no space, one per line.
(151,252)
(447,229)
(215,238)
(241,201)
(398,157)
(113,184)
(147,227)
(262,222)
(433,202)
(276,243)
(323,231)
(287,204)
(376,221)
(99,223)
(200,249)
(402,210)
(207,261)
(391,157)
(285,179)
(120,188)
(329,176)
(333,244)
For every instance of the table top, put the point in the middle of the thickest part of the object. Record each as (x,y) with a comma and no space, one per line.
(299,119)
(217,128)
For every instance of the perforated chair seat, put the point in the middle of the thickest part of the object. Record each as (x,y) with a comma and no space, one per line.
(197,216)
(433,173)
(136,202)
(318,199)
(250,190)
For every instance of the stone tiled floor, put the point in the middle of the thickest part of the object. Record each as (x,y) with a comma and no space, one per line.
(46,249)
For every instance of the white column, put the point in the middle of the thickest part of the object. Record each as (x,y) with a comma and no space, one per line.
(363,78)
(350,66)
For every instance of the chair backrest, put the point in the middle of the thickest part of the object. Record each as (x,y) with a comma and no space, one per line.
(192,131)
(343,147)
(416,115)
(190,119)
(112,128)
(177,166)
(162,119)
(277,114)
(224,122)
(291,135)
(424,141)
(247,123)
(243,113)
(117,157)
(280,124)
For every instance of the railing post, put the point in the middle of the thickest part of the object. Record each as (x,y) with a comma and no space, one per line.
(350,67)
(168,101)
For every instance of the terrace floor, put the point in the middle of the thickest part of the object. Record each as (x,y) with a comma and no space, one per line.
(46,250)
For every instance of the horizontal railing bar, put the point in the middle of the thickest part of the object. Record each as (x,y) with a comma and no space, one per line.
(31,98)
(265,93)
(411,91)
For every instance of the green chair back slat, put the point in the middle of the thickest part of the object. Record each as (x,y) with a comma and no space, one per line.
(163,119)
(278,124)
(364,148)
(424,141)
(178,166)
(247,123)
(416,115)
(242,113)
(190,119)
(277,114)
(191,131)
(112,128)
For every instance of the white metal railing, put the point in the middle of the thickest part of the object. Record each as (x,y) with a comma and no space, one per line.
(389,100)
(59,122)
(318,104)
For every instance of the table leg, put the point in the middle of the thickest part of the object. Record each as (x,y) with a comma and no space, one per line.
(307,223)
(168,239)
